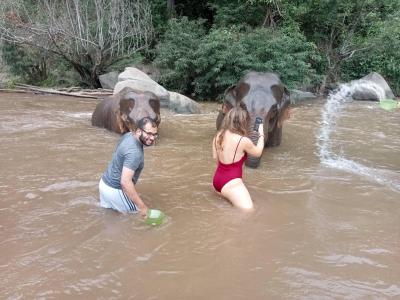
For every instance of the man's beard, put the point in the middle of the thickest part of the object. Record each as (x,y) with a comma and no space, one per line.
(143,141)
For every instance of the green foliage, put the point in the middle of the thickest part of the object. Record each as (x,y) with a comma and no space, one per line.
(37,67)
(381,54)
(159,16)
(342,30)
(177,52)
(220,60)
(227,54)
(120,65)
(60,74)
(238,13)
(27,63)
(89,35)
(213,43)
(205,65)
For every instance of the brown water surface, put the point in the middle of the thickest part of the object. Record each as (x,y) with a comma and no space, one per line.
(318,232)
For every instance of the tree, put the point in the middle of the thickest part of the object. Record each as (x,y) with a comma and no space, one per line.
(272,11)
(31,64)
(171,8)
(90,35)
(339,28)
(204,65)
(382,53)
(176,54)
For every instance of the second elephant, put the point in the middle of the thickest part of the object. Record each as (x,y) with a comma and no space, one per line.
(121,112)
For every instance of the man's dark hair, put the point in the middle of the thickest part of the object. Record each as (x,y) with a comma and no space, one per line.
(143,121)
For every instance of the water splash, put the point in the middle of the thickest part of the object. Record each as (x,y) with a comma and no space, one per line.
(330,114)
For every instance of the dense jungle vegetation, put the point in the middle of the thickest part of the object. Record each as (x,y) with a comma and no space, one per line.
(201,47)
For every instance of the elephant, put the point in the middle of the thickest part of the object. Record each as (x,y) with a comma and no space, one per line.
(264,96)
(121,112)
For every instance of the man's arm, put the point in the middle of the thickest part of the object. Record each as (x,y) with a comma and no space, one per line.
(129,189)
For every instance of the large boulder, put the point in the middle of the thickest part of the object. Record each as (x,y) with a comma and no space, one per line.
(150,70)
(372,87)
(108,80)
(138,80)
(131,73)
(182,104)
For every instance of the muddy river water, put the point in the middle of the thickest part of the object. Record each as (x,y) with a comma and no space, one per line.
(326,224)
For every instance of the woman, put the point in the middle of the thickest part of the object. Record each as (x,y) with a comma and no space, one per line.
(230,149)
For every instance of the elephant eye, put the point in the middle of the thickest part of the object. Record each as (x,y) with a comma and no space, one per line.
(153,103)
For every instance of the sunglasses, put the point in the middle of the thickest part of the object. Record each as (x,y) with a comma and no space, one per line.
(155,135)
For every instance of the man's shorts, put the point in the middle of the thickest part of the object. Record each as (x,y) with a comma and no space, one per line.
(115,199)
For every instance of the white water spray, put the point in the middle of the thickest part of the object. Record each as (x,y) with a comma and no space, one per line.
(330,114)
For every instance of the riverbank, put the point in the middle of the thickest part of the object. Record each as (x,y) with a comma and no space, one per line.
(71,91)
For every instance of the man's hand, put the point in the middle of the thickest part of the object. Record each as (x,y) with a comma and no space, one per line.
(143,211)
(129,189)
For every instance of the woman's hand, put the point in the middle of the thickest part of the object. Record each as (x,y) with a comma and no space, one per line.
(261,129)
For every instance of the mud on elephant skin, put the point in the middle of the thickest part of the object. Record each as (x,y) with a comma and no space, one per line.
(121,112)
(264,96)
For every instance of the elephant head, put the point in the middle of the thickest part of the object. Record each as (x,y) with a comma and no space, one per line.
(264,96)
(121,112)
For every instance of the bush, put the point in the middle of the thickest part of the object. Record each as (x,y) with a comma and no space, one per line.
(37,67)
(220,60)
(28,64)
(229,13)
(382,55)
(176,54)
(225,55)
(207,64)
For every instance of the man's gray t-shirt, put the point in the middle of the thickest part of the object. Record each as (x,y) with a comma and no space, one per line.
(129,153)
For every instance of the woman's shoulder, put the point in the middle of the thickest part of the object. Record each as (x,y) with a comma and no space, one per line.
(245,141)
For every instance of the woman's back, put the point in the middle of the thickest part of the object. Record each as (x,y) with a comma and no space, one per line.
(232,147)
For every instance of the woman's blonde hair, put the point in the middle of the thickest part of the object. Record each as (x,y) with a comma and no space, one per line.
(236,121)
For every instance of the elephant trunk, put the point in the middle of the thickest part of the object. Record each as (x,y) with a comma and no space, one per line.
(253,162)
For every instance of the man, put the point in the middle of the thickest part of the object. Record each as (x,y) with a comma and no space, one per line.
(117,185)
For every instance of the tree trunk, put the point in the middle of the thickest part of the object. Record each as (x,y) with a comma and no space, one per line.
(89,77)
(269,18)
(170,8)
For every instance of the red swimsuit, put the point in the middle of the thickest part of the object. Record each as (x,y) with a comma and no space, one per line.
(227,172)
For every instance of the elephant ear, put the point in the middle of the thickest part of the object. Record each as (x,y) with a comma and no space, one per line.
(281,95)
(235,94)
(241,91)
(230,97)
(126,104)
(278,92)
(154,103)
(284,108)
(286,96)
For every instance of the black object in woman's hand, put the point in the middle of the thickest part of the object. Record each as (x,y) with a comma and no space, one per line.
(257,123)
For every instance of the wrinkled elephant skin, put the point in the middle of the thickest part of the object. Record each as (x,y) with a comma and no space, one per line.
(121,112)
(266,97)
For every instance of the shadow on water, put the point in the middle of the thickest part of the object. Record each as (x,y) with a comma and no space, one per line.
(318,231)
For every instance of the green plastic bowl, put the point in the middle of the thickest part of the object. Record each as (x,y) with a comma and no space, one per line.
(388,104)
(154,217)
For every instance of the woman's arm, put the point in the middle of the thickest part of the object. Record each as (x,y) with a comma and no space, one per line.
(214,151)
(255,150)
